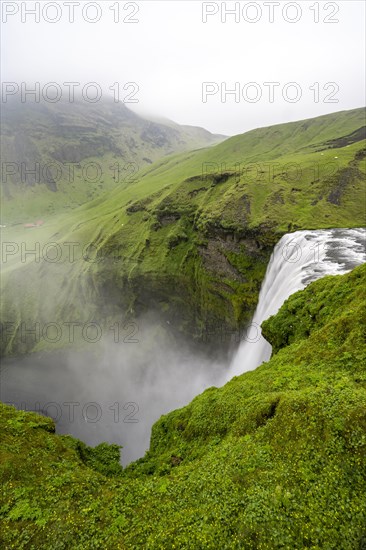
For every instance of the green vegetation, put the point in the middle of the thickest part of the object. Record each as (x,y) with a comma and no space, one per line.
(274,459)
(192,237)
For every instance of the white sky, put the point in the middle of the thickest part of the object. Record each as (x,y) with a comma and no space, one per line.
(170,52)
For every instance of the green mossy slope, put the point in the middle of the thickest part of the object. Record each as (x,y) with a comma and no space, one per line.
(274,459)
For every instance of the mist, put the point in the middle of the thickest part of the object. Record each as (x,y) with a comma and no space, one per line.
(132,368)
(110,392)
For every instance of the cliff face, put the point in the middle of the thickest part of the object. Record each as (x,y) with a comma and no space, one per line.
(206,222)
(276,457)
(196,232)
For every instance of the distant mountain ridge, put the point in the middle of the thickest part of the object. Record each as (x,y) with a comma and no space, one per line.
(39,142)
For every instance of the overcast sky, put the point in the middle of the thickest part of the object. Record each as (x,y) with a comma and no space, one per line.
(170,53)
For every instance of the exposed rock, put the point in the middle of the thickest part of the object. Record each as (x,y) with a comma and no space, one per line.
(339,184)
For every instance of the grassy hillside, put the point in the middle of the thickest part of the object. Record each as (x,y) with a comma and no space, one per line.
(192,237)
(274,459)
(81,150)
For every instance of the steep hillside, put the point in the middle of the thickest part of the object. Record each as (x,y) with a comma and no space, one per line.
(192,237)
(274,459)
(59,155)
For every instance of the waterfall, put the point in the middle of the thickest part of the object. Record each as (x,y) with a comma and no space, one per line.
(297,260)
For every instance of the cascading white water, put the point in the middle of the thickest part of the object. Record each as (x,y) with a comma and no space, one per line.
(298,259)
